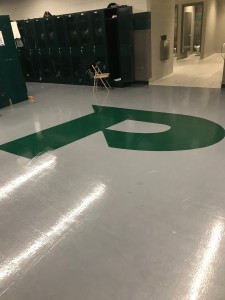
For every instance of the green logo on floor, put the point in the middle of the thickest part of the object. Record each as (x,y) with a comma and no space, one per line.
(185,133)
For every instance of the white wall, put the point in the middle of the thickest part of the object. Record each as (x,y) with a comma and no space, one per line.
(24,9)
(162,15)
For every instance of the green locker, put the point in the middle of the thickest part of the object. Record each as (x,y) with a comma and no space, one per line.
(126,43)
(29,34)
(12,84)
(120,42)
(86,46)
(61,49)
(24,54)
(62,61)
(42,53)
(99,40)
(73,39)
(72,34)
(31,51)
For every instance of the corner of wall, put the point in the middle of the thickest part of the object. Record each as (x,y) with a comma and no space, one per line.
(162,24)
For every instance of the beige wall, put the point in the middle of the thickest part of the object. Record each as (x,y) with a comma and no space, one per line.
(180,6)
(210,29)
(220,29)
(24,9)
(162,23)
(210,24)
(188,1)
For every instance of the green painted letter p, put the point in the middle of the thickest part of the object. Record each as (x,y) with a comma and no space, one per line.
(185,133)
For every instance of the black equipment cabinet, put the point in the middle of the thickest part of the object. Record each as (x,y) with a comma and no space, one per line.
(61,49)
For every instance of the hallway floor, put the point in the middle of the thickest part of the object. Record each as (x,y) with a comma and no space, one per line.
(193,72)
(90,218)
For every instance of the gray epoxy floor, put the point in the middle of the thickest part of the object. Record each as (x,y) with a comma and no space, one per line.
(90,222)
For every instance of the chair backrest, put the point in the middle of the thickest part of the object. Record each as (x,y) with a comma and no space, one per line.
(96,70)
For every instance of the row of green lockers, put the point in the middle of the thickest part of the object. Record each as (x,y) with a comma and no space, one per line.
(61,49)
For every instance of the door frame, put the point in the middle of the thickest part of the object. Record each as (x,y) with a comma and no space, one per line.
(176,17)
(182,23)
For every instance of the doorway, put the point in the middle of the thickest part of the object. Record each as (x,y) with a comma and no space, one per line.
(192,18)
(175,30)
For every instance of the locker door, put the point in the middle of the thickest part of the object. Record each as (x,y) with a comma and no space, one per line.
(111,26)
(126,43)
(21,25)
(31,48)
(72,31)
(99,40)
(12,85)
(4,100)
(30,35)
(50,33)
(72,36)
(61,34)
(65,74)
(87,47)
(45,38)
(22,51)
(41,36)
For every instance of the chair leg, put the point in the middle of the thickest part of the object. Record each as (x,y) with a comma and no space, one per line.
(95,84)
(104,84)
(108,83)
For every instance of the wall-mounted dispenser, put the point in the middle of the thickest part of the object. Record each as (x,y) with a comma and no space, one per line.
(164,48)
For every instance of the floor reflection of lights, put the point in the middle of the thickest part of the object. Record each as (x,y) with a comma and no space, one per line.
(43,164)
(204,271)
(45,241)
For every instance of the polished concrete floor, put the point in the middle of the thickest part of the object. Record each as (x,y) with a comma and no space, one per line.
(193,72)
(93,219)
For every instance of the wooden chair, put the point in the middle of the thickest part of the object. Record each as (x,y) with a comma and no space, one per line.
(102,76)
